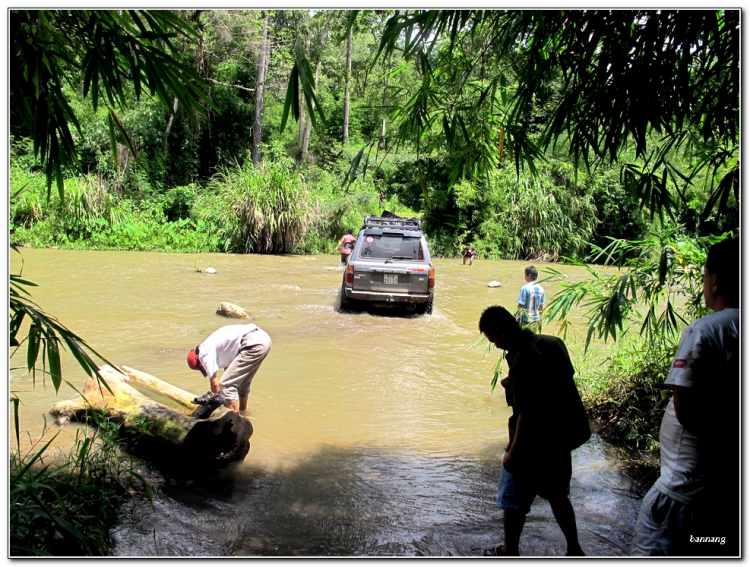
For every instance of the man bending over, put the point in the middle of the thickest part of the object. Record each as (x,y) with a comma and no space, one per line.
(240,350)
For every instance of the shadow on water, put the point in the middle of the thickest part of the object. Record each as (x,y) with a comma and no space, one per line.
(366,502)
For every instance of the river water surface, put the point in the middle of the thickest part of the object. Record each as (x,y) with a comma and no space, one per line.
(374,434)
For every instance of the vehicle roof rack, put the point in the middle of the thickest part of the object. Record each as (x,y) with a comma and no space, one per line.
(392,222)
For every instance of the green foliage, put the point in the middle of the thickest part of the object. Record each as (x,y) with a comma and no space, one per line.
(178,202)
(625,397)
(64,505)
(592,58)
(506,216)
(103,52)
(654,277)
(543,216)
(262,209)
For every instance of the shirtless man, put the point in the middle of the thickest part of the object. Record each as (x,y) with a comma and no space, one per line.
(347,241)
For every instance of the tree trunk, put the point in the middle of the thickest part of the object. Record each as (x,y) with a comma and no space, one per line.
(346,87)
(308,122)
(302,114)
(385,102)
(260,87)
(321,48)
(169,127)
(171,436)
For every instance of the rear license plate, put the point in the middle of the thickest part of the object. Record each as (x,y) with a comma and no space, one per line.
(390,278)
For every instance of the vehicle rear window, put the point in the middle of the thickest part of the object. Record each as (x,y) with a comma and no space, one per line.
(392,247)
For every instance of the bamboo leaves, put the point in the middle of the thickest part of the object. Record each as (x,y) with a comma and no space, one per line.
(659,270)
(625,78)
(102,51)
(301,77)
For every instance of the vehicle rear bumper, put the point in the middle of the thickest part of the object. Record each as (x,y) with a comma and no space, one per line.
(386,297)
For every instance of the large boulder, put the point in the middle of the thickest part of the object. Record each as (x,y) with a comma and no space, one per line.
(233,311)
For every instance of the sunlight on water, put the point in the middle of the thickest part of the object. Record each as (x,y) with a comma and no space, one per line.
(366,425)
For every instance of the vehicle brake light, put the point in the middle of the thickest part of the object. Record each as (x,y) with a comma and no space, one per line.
(431,279)
(350,274)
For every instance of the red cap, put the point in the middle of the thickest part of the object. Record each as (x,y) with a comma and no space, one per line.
(192,360)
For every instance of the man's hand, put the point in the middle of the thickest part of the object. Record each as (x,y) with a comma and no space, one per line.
(508,462)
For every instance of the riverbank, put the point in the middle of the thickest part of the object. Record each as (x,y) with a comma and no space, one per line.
(64,502)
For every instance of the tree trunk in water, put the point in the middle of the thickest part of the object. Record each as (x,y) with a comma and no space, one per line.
(260,87)
(348,81)
(171,436)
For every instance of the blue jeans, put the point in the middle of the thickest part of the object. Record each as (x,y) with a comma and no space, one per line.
(517,491)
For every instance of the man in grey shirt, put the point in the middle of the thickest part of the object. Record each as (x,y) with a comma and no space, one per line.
(694,506)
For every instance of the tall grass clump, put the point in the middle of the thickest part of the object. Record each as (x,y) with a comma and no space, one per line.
(338,206)
(535,218)
(257,208)
(87,209)
(65,504)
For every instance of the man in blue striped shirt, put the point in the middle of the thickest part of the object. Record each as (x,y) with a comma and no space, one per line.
(531,298)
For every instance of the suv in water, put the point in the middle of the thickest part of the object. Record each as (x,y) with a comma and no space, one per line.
(389,266)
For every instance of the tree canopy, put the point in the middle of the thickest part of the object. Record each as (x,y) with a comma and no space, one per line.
(106,54)
(657,81)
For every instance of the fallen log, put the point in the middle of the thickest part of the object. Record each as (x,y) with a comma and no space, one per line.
(163,434)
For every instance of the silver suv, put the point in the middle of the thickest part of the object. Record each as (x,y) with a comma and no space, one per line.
(389,266)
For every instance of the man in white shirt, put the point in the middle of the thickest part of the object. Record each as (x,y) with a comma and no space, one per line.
(239,350)
(531,299)
(694,506)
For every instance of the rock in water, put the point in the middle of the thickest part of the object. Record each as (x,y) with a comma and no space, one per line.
(209,271)
(494,284)
(234,311)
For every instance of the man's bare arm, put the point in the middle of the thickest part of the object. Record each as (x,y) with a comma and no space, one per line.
(214,381)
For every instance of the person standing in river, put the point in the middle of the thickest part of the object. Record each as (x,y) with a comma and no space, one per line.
(240,350)
(531,299)
(468,254)
(694,506)
(347,242)
(548,422)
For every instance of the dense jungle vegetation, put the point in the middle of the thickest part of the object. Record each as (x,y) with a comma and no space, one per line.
(598,136)
(433,126)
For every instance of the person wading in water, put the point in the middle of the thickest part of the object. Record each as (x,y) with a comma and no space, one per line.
(347,241)
(548,422)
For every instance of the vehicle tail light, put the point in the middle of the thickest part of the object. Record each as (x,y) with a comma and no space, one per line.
(431,280)
(350,274)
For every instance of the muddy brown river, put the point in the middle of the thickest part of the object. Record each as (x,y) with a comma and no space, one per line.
(375,434)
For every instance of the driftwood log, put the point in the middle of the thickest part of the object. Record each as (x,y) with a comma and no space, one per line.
(163,434)
(234,311)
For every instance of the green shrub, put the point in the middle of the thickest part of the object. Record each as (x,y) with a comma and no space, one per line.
(65,506)
(624,396)
(262,209)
